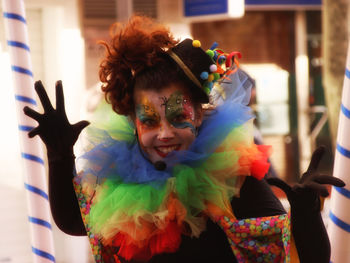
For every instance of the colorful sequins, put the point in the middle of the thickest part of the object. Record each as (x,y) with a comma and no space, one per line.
(84,196)
(265,239)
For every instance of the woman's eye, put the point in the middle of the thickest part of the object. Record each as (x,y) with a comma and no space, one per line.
(149,122)
(179,118)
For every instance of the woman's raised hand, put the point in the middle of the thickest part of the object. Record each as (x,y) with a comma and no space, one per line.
(309,232)
(54,128)
(305,194)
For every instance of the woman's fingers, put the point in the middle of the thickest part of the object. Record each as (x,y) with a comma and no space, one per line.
(45,101)
(318,188)
(60,97)
(280,184)
(315,160)
(34,132)
(78,127)
(32,113)
(327,179)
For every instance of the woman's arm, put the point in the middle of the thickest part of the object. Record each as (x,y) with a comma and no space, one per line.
(256,200)
(63,201)
(309,232)
(59,137)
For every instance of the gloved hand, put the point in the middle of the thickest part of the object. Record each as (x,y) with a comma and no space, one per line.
(308,230)
(305,194)
(54,128)
(59,137)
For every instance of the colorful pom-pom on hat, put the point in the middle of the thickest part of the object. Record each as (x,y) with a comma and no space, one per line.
(210,53)
(204,75)
(203,68)
(213,68)
(196,43)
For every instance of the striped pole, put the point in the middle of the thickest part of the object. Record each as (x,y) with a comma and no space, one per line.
(31,150)
(339,224)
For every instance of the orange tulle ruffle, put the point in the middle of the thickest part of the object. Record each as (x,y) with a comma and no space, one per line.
(254,160)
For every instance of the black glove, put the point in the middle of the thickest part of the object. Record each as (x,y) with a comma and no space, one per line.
(59,137)
(54,128)
(308,230)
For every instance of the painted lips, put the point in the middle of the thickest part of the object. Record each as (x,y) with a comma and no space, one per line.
(164,150)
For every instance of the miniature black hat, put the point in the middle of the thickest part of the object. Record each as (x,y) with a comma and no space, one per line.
(202,68)
(193,60)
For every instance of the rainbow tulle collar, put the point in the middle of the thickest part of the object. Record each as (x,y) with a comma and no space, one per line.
(143,211)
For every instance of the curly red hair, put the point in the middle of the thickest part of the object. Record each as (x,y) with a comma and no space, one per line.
(135,47)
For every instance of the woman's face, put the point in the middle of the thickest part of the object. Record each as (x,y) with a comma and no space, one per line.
(165,120)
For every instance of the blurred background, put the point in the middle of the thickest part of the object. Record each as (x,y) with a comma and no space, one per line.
(294,49)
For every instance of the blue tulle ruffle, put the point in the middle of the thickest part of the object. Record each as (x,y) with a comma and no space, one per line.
(120,159)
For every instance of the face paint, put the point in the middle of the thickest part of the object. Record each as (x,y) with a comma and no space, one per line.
(161,120)
(147,115)
(147,119)
(179,111)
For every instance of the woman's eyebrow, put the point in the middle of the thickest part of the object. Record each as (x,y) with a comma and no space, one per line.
(146,110)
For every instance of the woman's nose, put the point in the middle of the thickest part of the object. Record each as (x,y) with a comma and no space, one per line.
(166,132)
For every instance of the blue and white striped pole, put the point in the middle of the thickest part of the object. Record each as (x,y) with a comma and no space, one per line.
(339,223)
(31,150)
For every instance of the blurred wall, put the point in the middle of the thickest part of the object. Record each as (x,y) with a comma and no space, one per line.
(263,37)
(57,50)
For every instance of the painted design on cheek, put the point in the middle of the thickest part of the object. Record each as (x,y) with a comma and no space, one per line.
(147,119)
(179,111)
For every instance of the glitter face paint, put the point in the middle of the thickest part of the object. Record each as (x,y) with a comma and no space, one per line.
(165,121)
(146,115)
(179,111)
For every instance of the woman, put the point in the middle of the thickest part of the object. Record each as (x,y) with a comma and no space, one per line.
(164,180)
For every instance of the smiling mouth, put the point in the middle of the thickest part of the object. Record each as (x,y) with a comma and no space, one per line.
(163,151)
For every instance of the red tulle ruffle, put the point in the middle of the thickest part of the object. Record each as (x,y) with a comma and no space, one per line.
(254,160)
(166,241)
(261,166)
